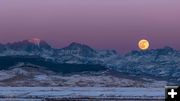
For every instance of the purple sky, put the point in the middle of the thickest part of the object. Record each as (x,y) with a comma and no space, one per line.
(102,24)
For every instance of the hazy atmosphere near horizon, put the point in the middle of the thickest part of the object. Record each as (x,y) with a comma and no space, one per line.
(102,24)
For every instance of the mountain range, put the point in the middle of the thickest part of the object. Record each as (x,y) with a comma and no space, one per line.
(161,63)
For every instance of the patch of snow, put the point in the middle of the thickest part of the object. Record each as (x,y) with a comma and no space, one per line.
(41,77)
(58,92)
(4,75)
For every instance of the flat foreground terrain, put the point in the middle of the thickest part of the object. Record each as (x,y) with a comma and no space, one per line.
(80,94)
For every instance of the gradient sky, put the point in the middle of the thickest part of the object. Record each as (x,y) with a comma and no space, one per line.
(102,24)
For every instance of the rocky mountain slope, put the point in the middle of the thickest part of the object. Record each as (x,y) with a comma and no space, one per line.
(35,76)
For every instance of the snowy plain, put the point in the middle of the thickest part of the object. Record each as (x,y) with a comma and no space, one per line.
(65,92)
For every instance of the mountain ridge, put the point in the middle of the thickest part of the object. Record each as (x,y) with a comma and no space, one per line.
(163,63)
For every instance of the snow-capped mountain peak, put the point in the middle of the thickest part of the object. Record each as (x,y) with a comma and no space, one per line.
(38,42)
(35,41)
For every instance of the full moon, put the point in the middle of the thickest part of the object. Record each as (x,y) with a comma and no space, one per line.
(143,44)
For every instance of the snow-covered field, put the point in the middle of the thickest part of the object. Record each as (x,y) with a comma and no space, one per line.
(74,92)
(36,77)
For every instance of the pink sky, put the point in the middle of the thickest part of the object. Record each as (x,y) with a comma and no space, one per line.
(103,24)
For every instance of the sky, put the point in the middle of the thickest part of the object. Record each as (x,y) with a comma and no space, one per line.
(102,24)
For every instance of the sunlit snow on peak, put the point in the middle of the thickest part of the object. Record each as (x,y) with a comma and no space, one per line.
(35,41)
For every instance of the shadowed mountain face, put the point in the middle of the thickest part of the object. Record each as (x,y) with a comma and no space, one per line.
(7,62)
(158,63)
(82,50)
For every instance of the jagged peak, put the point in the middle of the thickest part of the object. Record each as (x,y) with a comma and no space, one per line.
(80,48)
(75,44)
(35,41)
(165,50)
(78,45)
(168,48)
(39,42)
